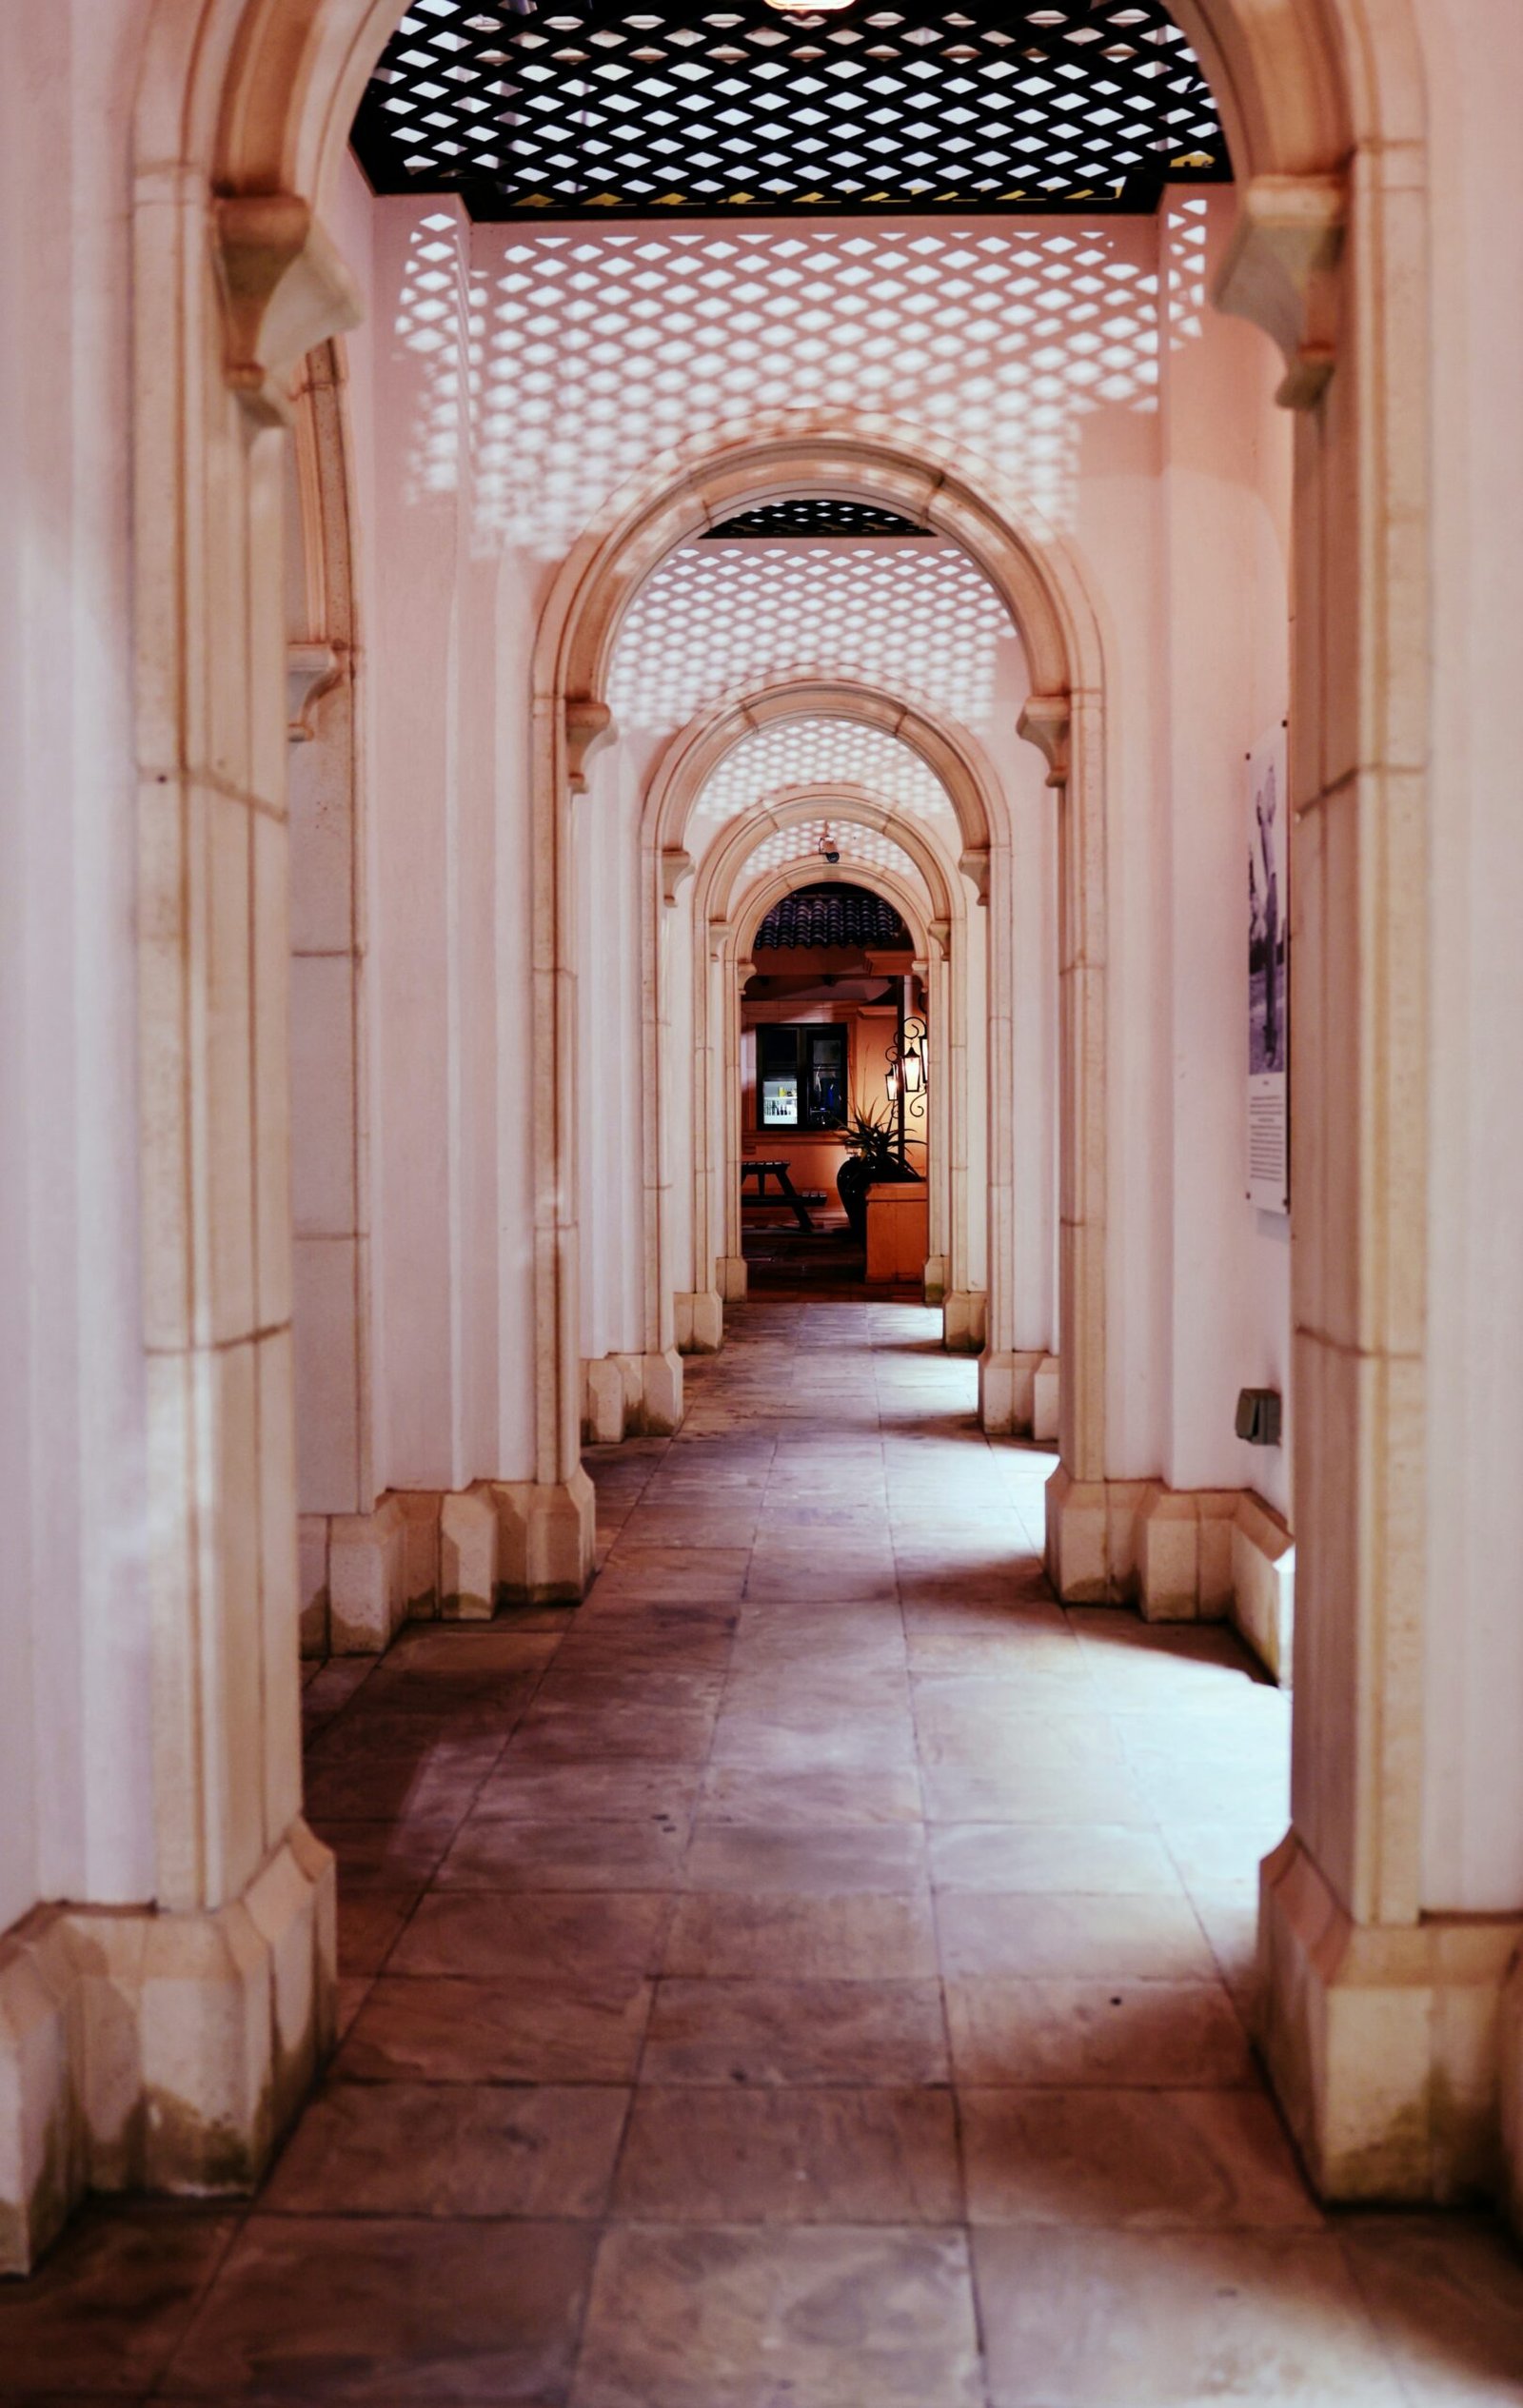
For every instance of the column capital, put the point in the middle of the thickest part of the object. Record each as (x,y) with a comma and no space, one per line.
(1045,723)
(1282,273)
(588,724)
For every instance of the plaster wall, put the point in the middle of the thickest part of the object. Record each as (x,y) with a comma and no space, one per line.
(77,1813)
(1224,660)
(1473,1834)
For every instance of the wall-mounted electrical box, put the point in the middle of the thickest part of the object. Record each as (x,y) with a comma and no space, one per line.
(1258,1412)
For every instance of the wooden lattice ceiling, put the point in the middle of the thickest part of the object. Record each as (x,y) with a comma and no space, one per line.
(529,109)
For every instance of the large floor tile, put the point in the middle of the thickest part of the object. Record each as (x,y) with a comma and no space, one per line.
(572,1936)
(810,1743)
(1446,2293)
(792,2032)
(410,2148)
(378,2310)
(618,1788)
(998,1789)
(858,1937)
(1151,1938)
(804,1798)
(1176,2320)
(1137,2160)
(531,2028)
(1103,1857)
(808,2156)
(503,1852)
(1073,2033)
(626,1728)
(731,1856)
(110,2301)
(823,2319)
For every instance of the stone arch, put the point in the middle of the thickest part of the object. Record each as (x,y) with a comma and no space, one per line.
(244,107)
(720,936)
(1040,579)
(975,1318)
(953,754)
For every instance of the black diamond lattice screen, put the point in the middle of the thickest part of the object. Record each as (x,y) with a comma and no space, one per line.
(812,517)
(601,107)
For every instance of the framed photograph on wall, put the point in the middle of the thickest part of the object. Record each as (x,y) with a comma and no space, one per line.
(1269,995)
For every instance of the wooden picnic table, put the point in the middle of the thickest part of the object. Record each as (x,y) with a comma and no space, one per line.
(789,1194)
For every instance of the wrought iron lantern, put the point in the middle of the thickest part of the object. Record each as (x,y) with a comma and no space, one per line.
(908,1075)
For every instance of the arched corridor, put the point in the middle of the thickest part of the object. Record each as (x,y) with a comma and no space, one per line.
(815,1969)
(613,602)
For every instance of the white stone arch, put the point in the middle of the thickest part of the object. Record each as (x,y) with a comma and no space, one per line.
(244,107)
(723,927)
(1039,578)
(975,1319)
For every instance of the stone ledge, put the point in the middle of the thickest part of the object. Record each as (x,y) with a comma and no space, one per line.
(1384,2042)
(142,2050)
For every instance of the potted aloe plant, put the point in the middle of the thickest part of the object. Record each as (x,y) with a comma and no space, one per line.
(873,1159)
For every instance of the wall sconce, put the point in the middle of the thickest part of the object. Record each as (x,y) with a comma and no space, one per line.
(909,1067)
(828,847)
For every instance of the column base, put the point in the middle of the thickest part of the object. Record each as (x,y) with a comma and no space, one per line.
(1184,1552)
(1045,1397)
(631,1396)
(965,1317)
(933,1279)
(546,1534)
(1263,1584)
(700,1316)
(1384,2044)
(141,2050)
(421,1556)
(730,1277)
(1017,1394)
(1179,1554)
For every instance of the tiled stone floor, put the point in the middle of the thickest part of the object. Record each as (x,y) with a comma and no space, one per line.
(808,1976)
